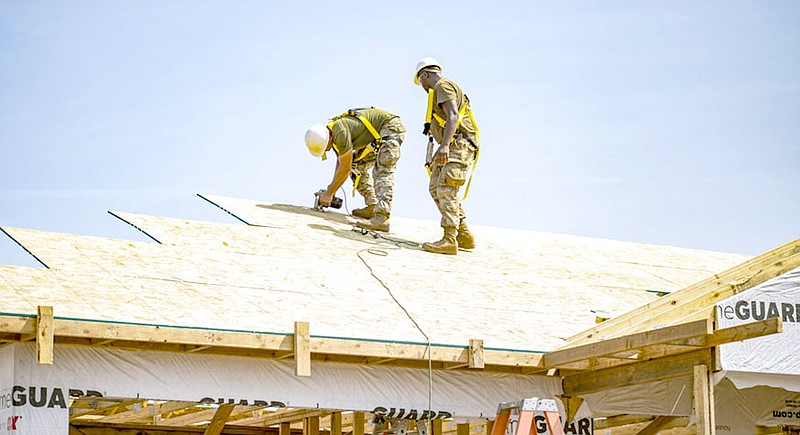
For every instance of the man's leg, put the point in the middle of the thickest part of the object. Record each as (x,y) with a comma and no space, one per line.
(365,188)
(444,187)
(383,174)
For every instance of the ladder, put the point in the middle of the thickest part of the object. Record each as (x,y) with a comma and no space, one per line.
(527,408)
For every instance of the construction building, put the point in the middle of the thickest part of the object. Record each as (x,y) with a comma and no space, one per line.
(294,322)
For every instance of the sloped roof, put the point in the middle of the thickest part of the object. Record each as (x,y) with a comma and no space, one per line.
(519,290)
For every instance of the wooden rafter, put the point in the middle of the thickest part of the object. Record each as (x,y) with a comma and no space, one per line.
(697,298)
(659,343)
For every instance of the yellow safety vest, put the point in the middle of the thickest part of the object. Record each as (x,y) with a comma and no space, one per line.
(356,113)
(465,109)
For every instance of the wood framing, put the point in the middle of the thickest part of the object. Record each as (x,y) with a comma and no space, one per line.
(261,274)
(659,343)
(637,373)
(703,408)
(44,334)
(336,423)
(219,419)
(174,339)
(657,425)
(697,297)
(302,349)
(476,357)
(311,425)
(358,423)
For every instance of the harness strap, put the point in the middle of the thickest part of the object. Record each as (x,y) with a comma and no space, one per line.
(465,109)
(356,113)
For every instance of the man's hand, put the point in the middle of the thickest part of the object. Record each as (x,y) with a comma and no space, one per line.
(325,198)
(441,156)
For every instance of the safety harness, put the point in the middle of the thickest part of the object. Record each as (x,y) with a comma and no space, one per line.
(465,109)
(356,113)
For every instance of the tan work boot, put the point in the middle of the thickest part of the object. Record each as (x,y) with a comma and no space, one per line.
(448,245)
(378,223)
(464,238)
(367,212)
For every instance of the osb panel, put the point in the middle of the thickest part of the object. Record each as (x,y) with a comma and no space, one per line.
(518,290)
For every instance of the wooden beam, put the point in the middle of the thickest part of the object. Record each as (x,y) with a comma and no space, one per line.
(655,344)
(702,406)
(171,339)
(302,349)
(110,408)
(562,357)
(44,334)
(285,428)
(462,429)
(704,294)
(159,412)
(637,373)
(620,420)
(657,425)
(336,423)
(311,426)
(436,427)
(358,423)
(289,416)
(476,356)
(219,419)
(748,330)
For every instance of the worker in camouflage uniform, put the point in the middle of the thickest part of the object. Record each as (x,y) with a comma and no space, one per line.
(452,125)
(362,139)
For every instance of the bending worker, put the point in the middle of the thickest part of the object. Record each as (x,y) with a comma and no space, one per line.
(362,139)
(452,125)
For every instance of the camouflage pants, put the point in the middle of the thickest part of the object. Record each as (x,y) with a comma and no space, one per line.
(447,180)
(377,168)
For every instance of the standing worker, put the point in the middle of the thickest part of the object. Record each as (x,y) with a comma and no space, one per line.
(451,123)
(362,139)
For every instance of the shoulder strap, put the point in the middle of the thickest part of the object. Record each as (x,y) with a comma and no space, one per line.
(356,113)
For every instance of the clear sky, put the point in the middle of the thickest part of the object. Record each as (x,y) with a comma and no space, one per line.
(664,122)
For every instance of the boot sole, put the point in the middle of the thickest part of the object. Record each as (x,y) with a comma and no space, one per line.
(367,227)
(433,251)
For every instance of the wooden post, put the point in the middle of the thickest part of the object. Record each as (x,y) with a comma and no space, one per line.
(462,429)
(476,359)
(436,427)
(285,428)
(336,423)
(311,426)
(358,423)
(302,349)
(44,334)
(702,408)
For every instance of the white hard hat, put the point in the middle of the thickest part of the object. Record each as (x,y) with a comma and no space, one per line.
(424,63)
(317,137)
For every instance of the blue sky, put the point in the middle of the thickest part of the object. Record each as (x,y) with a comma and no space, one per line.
(674,123)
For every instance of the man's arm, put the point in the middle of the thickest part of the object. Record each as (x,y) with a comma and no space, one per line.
(343,166)
(451,123)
